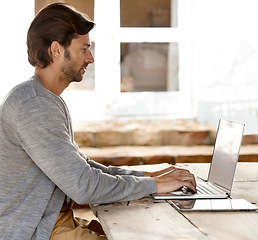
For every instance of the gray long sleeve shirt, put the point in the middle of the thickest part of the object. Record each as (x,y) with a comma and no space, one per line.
(40,163)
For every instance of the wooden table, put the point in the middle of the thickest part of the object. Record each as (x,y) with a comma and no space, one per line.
(156,219)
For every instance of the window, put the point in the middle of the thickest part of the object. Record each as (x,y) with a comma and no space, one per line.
(142,60)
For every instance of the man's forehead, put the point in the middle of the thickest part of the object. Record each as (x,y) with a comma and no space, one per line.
(83,40)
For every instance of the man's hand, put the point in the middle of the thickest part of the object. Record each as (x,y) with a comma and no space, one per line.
(158,173)
(172,179)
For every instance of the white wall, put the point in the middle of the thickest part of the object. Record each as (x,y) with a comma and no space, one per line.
(15,18)
(225,61)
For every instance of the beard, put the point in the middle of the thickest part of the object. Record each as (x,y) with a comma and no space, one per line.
(70,73)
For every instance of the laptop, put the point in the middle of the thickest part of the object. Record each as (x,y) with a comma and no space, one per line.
(222,168)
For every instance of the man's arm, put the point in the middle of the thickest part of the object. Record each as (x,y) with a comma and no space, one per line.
(111,169)
(45,137)
(167,180)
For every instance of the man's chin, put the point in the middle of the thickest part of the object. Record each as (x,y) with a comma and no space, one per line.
(78,79)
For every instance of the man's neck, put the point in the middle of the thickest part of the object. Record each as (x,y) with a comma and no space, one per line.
(51,80)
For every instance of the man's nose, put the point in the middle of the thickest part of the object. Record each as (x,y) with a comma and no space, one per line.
(88,57)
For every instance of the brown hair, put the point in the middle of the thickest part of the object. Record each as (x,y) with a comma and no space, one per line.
(56,22)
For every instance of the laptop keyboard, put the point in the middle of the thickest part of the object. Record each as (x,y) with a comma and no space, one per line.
(208,189)
(202,190)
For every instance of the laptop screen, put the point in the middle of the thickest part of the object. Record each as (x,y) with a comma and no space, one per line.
(225,153)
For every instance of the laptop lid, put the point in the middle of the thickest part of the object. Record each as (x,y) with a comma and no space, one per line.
(223,163)
(226,153)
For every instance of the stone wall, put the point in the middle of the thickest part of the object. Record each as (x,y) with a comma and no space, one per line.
(143,133)
(135,142)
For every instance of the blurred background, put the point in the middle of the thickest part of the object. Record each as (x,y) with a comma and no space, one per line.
(195,60)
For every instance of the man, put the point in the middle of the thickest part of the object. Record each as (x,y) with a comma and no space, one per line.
(42,169)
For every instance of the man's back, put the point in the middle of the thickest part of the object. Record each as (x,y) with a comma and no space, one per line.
(24,189)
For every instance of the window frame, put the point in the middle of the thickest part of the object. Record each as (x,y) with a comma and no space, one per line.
(107,99)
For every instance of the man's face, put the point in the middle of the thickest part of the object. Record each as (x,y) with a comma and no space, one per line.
(76,59)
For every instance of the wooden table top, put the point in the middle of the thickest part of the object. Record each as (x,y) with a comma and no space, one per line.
(156,219)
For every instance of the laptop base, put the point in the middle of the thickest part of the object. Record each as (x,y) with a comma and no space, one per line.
(216,205)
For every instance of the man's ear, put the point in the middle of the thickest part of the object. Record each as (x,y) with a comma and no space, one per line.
(55,49)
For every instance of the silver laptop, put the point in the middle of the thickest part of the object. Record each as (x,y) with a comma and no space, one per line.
(222,167)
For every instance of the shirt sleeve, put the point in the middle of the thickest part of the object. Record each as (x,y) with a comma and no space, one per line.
(43,132)
(111,169)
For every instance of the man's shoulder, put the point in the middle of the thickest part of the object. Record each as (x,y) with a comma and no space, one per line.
(27,91)
(22,92)
(32,97)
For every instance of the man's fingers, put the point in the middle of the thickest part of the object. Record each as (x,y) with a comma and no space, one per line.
(174,179)
(190,185)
